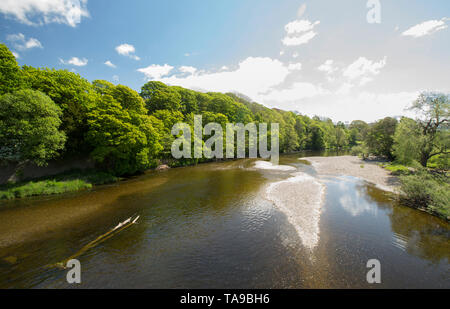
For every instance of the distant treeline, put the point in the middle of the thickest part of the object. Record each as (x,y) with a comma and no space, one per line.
(46,113)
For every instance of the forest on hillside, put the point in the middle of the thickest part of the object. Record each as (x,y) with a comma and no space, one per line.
(47,114)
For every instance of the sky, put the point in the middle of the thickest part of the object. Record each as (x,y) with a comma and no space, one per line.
(347,59)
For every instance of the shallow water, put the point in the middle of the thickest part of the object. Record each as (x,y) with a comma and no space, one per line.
(223,225)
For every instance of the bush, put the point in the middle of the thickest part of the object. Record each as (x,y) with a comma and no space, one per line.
(427,190)
(360,150)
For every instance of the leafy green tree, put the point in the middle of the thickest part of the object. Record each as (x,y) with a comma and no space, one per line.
(124,142)
(160,96)
(340,137)
(316,138)
(10,75)
(29,127)
(188,100)
(429,135)
(407,141)
(358,131)
(72,93)
(380,137)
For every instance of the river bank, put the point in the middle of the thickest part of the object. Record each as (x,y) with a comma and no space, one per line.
(356,167)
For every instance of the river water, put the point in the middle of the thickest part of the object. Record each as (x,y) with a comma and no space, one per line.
(238,224)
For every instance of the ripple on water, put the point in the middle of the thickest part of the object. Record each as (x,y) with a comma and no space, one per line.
(300,198)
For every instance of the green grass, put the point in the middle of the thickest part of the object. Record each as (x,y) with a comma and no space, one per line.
(397,169)
(68,182)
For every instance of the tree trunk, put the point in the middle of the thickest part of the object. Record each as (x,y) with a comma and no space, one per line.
(424,160)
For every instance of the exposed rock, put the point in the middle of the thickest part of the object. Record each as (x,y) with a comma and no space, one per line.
(162,167)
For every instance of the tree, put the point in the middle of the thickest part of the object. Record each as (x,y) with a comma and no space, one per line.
(360,128)
(29,122)
(429,135)
(124,142)
(157,96)
(340,137)
(188,100)
(10,75)
(127,97)
(316,138)
(379,139)
(72,93)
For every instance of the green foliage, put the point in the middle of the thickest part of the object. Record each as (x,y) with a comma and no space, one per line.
(45,187)
(160,96)
(408,140)
(10,75)
(316,140)
(360,150)
(124,141)
(379,138)
(73,94)
(427,190)
(398,169)
(67,182)
(429,135)
(29,122)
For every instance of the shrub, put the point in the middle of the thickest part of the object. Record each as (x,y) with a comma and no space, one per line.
(427,190)
(360,150)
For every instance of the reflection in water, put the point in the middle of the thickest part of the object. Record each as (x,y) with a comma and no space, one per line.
(212,226)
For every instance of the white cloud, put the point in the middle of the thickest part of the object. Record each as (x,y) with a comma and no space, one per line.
(327,67)
(115,78)
(426,28)
(299,26)
(295,66)
(110,64)
(155,72)
(39,12)
(345,89)
(253,77)
(364,67)
(16,55)
(22,43)
(299,40)
(127,50)
(369,106)
(299,32)
(365,106)
(187,69)
(296,92)
(75,61)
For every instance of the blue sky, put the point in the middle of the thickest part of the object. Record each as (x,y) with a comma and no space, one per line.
(316,57)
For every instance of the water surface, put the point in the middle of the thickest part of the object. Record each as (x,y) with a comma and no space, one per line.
(219,225)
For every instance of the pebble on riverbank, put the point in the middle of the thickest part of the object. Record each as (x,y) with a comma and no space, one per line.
(352,166)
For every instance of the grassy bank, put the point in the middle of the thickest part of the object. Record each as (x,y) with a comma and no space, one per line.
(423,188)
(67,182)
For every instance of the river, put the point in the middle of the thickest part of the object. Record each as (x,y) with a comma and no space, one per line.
(225,225)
